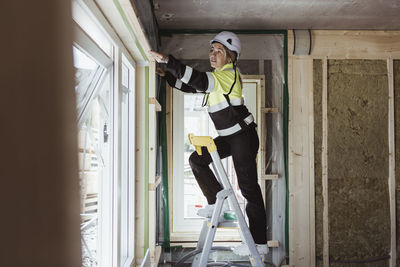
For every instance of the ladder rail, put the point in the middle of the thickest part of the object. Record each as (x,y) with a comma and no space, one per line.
(255,258)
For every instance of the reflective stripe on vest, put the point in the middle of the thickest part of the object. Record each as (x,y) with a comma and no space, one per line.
(235,128)
(222,105)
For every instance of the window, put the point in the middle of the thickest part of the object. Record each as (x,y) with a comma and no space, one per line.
(104,86)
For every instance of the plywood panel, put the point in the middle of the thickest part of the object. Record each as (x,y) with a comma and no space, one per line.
(359,215)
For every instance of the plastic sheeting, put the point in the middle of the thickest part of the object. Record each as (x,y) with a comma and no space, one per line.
(261,54)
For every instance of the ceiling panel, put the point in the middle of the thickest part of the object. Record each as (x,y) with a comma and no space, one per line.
(278,14)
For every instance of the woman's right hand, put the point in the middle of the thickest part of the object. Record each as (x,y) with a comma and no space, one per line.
(159,57)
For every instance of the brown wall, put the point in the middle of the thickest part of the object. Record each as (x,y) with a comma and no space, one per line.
(39,193)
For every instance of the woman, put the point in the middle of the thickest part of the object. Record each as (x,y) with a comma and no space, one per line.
(234,123)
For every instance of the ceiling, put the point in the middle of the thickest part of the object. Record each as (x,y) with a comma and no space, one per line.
(277,14)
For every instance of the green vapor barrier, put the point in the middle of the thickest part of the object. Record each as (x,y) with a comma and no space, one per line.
(163,142)
(146,172)
(128,26)
(285,104)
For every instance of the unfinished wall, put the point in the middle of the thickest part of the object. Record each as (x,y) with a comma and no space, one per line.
(358,197)
(396,73)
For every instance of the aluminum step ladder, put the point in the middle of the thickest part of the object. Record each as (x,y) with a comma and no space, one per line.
(209,229)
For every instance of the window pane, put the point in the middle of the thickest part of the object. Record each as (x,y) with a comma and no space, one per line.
(93,162)
(87,74)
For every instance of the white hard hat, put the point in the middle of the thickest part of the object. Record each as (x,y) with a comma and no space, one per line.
(228,39)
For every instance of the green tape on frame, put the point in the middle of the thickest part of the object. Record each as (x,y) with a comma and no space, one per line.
(129,27)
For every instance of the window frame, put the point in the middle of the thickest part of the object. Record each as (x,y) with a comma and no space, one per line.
(113,64)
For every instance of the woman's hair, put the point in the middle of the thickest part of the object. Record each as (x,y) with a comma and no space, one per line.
(232,56)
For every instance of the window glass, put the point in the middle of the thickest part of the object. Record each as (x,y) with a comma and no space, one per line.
(93,140)
(87,75)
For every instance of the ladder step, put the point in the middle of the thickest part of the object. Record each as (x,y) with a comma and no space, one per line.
(226,224)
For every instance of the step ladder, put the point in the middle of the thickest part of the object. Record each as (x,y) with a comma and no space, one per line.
(209,229)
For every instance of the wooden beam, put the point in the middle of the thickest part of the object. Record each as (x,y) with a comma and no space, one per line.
(325,222)
(392,163)
(355,44)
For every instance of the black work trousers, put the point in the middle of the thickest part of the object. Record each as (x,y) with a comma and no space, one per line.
(243,148)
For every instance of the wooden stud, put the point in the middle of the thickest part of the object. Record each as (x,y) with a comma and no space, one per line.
(140,161)
(292,218)
(392,163)
(152,158)
(301,199)
(311,164)
(325,224)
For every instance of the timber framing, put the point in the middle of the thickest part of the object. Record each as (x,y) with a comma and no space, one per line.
(328,45)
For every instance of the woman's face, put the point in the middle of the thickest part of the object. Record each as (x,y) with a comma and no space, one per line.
(217,56)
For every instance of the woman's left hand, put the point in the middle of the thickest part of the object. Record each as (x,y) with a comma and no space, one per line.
(159,57)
